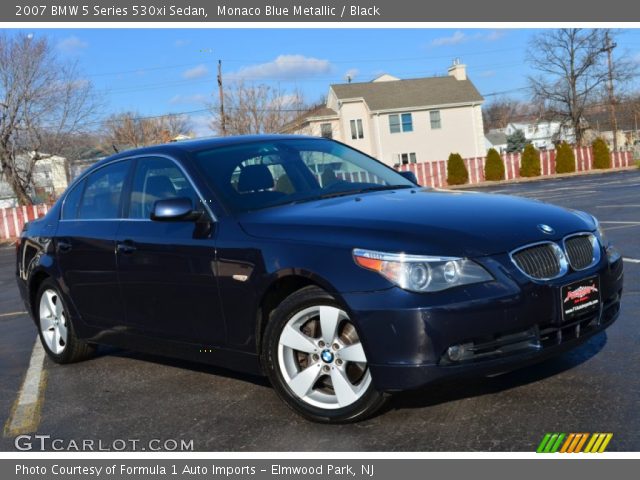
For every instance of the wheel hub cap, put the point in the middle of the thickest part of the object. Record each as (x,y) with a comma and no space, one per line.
(321,358)
(327,356)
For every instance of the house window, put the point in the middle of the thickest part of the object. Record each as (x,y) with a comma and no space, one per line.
(400,123)
(356,129)
(326,130)
(434,116)
(406,158)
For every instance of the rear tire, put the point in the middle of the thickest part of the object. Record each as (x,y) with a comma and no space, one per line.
(321,373)
(55,328)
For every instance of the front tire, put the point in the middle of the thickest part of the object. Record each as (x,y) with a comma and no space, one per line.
(55,328)
(315,360)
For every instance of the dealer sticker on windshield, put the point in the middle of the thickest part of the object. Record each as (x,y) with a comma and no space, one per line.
(580,297)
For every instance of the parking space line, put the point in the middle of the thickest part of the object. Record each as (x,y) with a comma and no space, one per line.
(12,314)
(630,260)
(608,229)
(618,206)
(25,414)
(621,222)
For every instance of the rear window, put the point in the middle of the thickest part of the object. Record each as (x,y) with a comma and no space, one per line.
(103,192)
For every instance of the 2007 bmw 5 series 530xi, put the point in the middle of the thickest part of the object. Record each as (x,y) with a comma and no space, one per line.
(302,259)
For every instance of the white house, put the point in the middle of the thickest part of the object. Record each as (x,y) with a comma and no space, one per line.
(402,121)
(496,140)
(543,134)
(49,179)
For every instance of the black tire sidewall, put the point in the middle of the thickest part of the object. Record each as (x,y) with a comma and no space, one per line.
(305,298)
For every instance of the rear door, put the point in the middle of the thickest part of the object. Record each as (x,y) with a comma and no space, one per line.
(85,245)
(167,269)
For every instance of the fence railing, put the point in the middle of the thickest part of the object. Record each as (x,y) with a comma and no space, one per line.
(12,219)
(434,174)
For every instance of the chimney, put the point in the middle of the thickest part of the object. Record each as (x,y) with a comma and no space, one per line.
(458,70)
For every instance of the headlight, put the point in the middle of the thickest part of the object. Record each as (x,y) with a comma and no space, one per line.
(422,273)
(613,255)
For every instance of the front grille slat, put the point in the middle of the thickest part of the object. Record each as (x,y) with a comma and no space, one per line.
(538,261)
(582,251)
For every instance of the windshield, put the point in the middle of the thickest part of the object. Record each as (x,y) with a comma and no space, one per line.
(265,174)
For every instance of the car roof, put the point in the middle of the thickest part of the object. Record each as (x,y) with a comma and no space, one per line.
(199,145)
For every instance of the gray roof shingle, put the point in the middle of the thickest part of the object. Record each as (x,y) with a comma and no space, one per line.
(417,92)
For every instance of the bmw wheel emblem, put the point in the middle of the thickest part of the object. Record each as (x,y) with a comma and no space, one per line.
(327,356)
(546,229)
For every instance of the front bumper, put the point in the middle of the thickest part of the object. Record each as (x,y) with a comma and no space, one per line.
(512,321)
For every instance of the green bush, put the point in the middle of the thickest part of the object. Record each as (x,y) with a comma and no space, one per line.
(494,166)
(565,159)
(530,162)
(601,154)
(457,173)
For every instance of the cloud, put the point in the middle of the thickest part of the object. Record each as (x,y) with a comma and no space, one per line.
(487,73)
(201,125)
(198,98)
(72,45)
(494,35)
(181,42)
(196,72)
(457,38)
(284,67)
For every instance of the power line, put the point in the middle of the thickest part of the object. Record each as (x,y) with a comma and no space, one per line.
(293,61)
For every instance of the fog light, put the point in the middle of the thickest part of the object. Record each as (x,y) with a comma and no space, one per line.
(456,352)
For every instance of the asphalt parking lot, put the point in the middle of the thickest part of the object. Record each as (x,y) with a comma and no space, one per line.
(122,395)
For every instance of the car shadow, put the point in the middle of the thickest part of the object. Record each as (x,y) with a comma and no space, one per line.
(107,351)
(450,390)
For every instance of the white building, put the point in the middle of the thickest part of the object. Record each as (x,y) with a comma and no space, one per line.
(402,121)
(543,134)
(49,179)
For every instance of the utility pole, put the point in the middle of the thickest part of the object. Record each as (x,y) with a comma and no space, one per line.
(609,46)
(223,125)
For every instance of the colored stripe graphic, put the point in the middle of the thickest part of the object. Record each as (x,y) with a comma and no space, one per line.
(574,442)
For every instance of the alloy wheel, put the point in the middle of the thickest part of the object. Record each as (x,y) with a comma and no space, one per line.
(53,322)
(321,358)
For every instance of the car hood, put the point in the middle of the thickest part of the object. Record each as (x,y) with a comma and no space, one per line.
(420,221)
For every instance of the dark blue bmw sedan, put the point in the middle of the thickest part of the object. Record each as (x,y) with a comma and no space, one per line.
(307,261)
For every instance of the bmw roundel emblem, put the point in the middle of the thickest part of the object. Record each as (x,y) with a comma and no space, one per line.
(546,229)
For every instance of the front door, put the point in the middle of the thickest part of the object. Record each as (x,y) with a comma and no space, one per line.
(166,269)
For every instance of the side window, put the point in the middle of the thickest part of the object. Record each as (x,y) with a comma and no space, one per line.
(101,199)
(155,179)
(72,201)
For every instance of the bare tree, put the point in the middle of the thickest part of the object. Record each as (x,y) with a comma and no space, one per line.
(42,101)
(572,66)
(129,130)
(254,109)
(503,110)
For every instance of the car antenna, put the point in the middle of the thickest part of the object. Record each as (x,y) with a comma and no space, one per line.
(115,148)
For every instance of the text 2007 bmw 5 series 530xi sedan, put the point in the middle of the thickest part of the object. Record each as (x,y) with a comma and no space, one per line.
(304,260)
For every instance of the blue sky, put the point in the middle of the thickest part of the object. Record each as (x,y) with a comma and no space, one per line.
(159,71)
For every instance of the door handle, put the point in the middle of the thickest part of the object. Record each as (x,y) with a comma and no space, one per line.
(127,247)
(64,246)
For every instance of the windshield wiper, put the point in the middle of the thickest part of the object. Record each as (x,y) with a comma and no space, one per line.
(351,192)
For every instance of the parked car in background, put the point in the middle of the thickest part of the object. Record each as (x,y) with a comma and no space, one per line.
(314,264)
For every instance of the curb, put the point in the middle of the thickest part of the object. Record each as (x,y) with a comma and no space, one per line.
(540,178)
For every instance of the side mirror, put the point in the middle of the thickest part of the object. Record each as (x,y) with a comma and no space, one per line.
(409,175)
(177,209)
